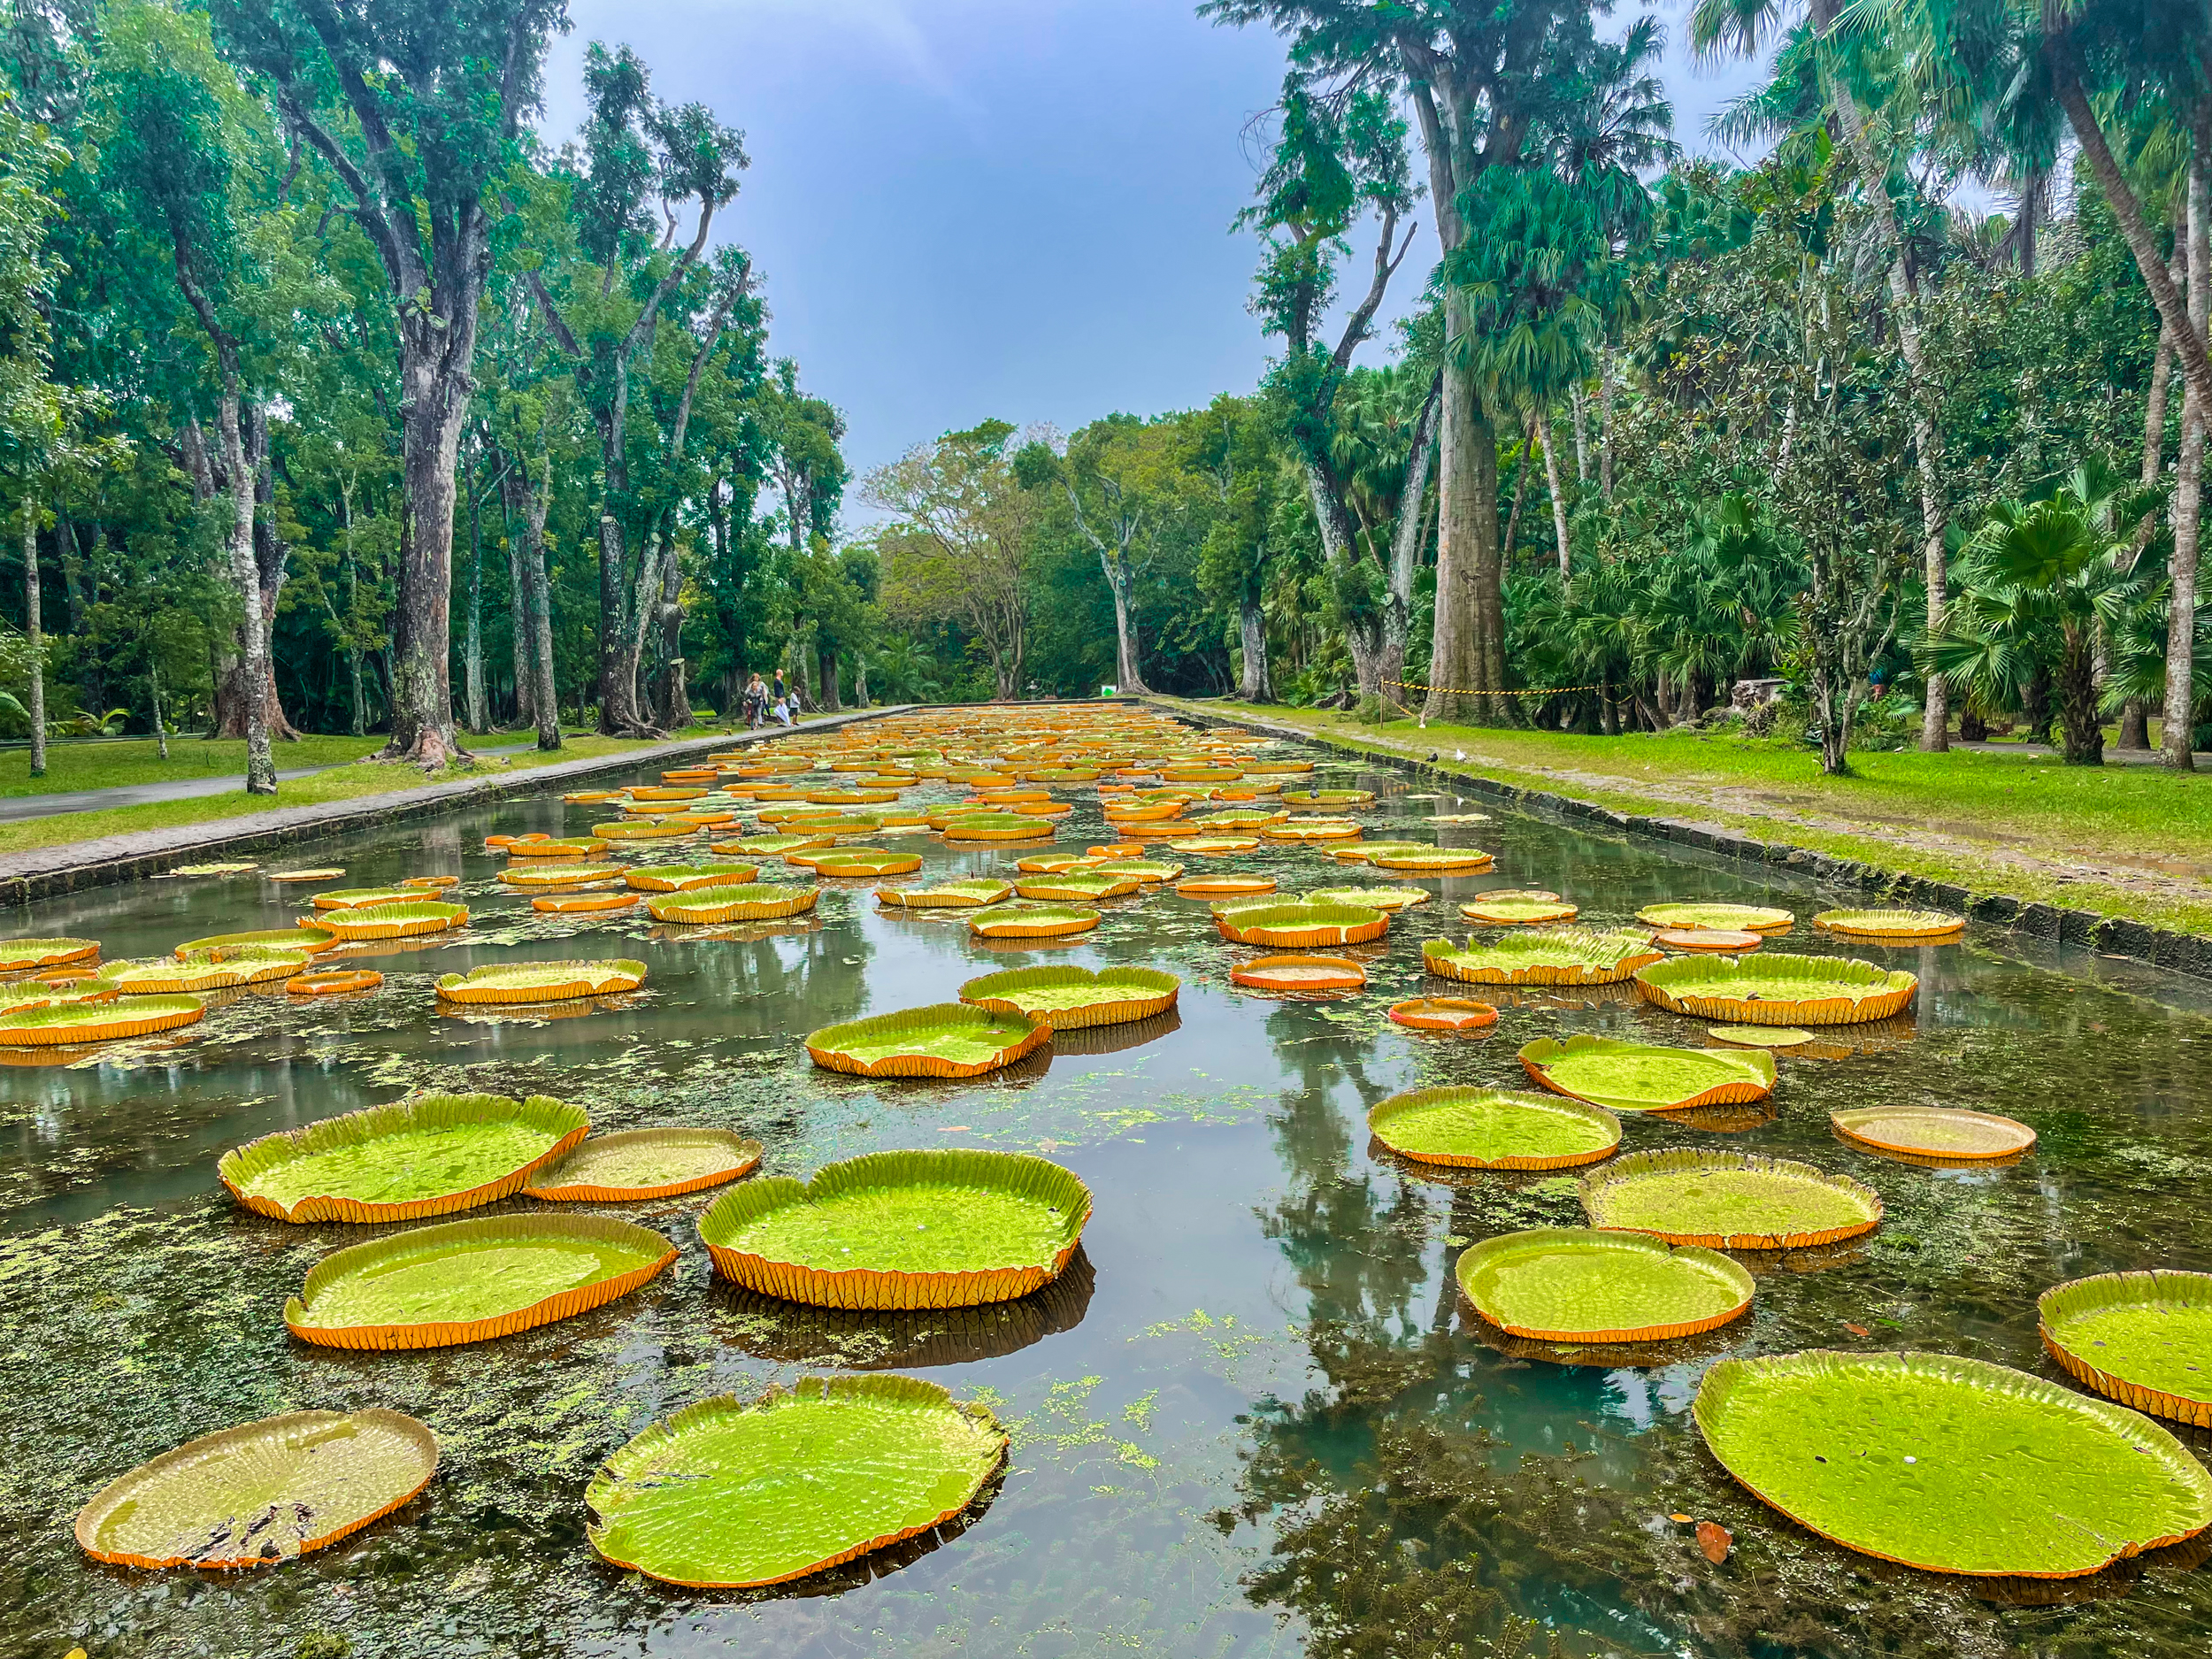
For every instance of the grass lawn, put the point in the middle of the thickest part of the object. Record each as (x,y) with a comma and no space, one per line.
(2126,840)
(70,766)
(340,783)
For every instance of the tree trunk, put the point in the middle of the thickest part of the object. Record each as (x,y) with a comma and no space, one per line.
(618,702)
(518,607)
(1126,674)
(31,632)
(1520,495)
(675,699)
(2077,701)
(436,352)
(825,670)
(1468,659)
(2035,703)
(1558,496)
(1253,683)
(1405,543)
(2135,726)
(1580,407)
(544,697)
(2179,729)
(161,730)
(1605,421)
(472,654)
(245,571)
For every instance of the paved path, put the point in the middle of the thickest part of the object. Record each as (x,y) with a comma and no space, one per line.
(15,809)
(2112,756)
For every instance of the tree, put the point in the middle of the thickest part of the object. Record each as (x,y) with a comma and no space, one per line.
(962,544)
(1233,444)
(807,467)
(419,107)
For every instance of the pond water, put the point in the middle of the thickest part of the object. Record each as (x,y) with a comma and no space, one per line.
(1253,1419)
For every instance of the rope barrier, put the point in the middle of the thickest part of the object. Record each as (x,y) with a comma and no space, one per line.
(1468,691)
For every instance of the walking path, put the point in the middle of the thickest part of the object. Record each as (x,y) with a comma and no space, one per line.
(45,871)
(2112,756)
(15,809)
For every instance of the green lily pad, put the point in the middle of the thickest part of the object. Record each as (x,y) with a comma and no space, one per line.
(1729,1200)
(1951,1465)
(2143,1338)
(1761,1036)
(1075,886)
(749,901)
(946,896)
(1388,900)
(1937,1133)
(1494,1129)
(1543,955)
(1017,919)
(637,1163)
(1581,1285)
(1146,869)
(772,845)
(20,956)
(1749,918)
(1072,997)
(1299,923)
(508,983)
(1773,989)
(427,1157)
(942,1039)
(469,1281)
(63,1024)
(1366,852)
(727,1494)
(261,1493)
(1640,1077)
(1894,926)
(1518,912)
(923,1229)
(308,939)
(394,921)
(681,878)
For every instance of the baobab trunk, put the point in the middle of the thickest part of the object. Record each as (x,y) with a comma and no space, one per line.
(1253,682)
(1468,660)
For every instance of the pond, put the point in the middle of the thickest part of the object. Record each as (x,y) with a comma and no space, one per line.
(1254,1417)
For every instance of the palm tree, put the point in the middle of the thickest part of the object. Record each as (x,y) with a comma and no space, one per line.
(2038,585)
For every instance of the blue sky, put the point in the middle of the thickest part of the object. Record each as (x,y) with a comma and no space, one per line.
(1010,208)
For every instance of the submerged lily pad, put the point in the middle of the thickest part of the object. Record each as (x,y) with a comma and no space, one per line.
(541,982)
(1951,1465)
(469,1281)
(427,1157)
(942,1039)
(261,1493)
(1751,918)
(1494,1129)
(1585,1285)
(1729,1200)
(1761,1036)
(1639,1077)
(2143,1338)
(1543,955)
(925,1229)
(1067,998)
(644,1164)
(1938,1133)
(1776,990)
(728,1495)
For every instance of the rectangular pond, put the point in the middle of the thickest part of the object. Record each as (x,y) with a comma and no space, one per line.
(1255,1417)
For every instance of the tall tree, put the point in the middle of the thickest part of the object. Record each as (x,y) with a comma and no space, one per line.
(418,106)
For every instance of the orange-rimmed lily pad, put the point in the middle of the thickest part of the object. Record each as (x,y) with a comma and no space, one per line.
(1434,861)
(1299,973)
(193,977)
(472,1280)
(1389,900)
(1217,846)
(1017,919)
(230,868)
(1750,918)
(941,1040)
(259,963)
(1939,1133)
(869,862)
(943,896)
(333,982)
(26,956)
(260,1493)
(1725,941)
(1295,925)
(1444,1013)
(2143,1338)
(1918,927)
(1776,990)
(323,872)
(504,984)
(1951,1465)
(562,877)
(1312,829)
(739,1494)
(558,847)
(1066,998)
(1587,1285)
(919,1229)
(1496,912)
(683,878)
(1541,956)
(394,921)
(753,901)
(1639,1076)
(311,936)
(430,884)
(581,903)
(1076,888)
(62,1025)
(1494,1129)
(1226,886)
(645,829)
(1734,1201)
(641,1164)
(430,1155)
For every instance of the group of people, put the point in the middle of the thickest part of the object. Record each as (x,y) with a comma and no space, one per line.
(764,702)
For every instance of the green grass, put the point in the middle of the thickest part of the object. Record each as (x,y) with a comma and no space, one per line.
(70,766)
(2139,838)
(340,783)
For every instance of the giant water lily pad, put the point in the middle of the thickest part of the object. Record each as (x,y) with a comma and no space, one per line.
(1729,1200)
(1584,1285)
(21,956)
(509,983)
(1751,918)
(261,1493)
(1144,870)
(683,878)
(427,1157)
(770,846)
(1641,1077)
(469,1281)
(1519,912)
(195,976)
(945,895)
(1069,998)
(752,902)
(927,1229)
(2143,1338)
(1941,1134)
(260,964)
(59,1024)
(1776,990)
(1494,1129)
(735,1495)
(1543,955)
(310,939)
(637,1163)
(1022,921)
(942,1039)
(1300,923)
(1434,861)
(1076,886)
(545,878)
(1951,1465)
(1894,926)
(1367,851)
(394,921)
(1389,900)
(362,898)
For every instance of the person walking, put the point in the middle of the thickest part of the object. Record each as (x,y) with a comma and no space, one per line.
(780,692)
(756,703)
